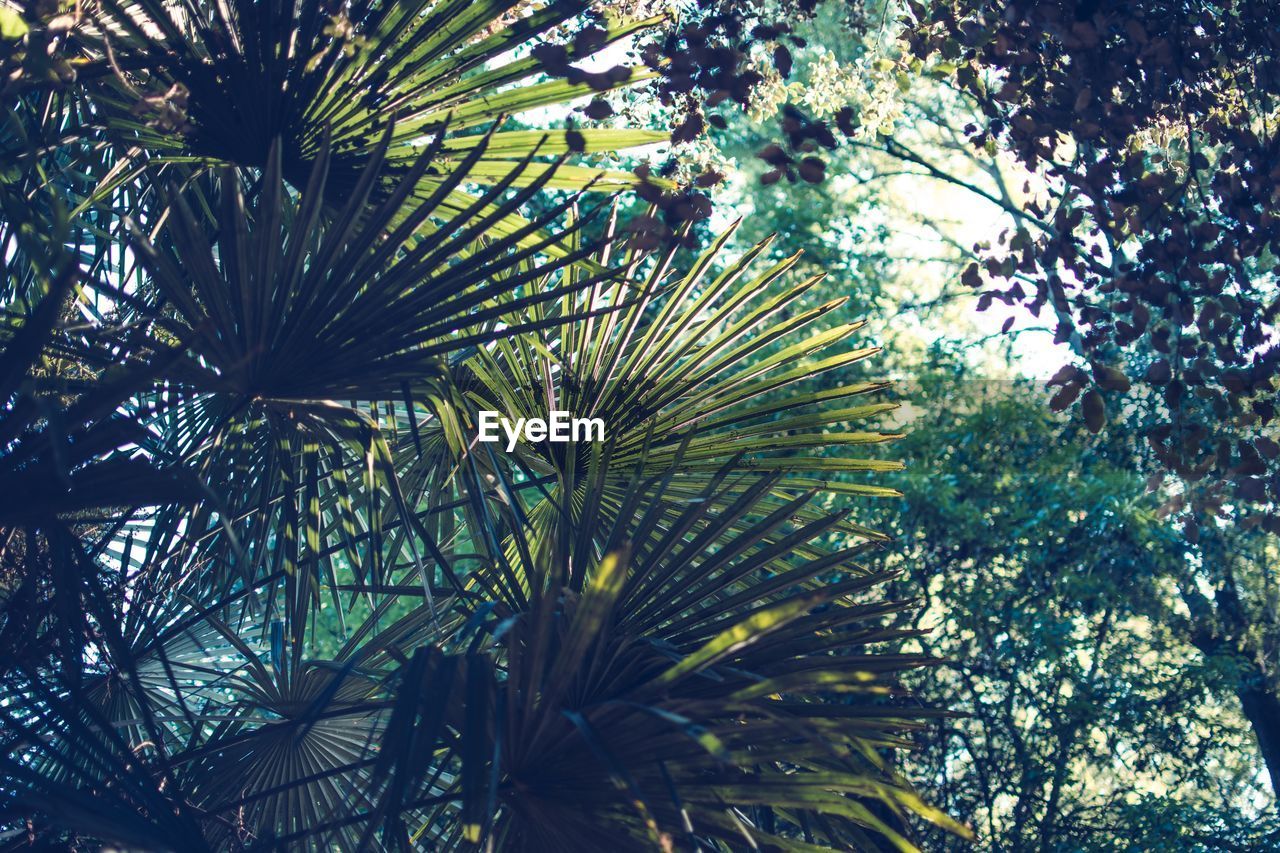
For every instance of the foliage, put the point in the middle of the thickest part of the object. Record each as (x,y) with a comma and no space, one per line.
(1093,720)
(265,262)
(1144,230)
(1023,530)
(1189,564)
(1154,250)
(250,740)
(260,586)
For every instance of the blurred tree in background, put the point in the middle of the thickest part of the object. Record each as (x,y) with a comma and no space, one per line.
(1112,634)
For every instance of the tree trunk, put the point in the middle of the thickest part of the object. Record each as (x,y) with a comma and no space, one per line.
(1262,707)
(1259,701)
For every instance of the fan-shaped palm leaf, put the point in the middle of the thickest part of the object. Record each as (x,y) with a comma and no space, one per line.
(286,304)
(712,364)
(287,309)
(192,724)
(677,698)
(233,78)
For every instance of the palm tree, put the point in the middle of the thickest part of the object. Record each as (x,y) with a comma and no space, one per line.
(262,589)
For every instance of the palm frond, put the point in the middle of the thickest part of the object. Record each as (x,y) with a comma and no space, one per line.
(285,309)
(221,83)
(653,708)
(704,366)
(265,263)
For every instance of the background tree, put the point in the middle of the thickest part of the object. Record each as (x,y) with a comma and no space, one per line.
(1060,593)
(1065,536)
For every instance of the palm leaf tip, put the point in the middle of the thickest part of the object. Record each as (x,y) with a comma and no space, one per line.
(250,73)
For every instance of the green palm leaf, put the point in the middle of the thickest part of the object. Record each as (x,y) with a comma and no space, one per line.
(286,308)
(694,366)
(245,74)
(260,586)
(584,725)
